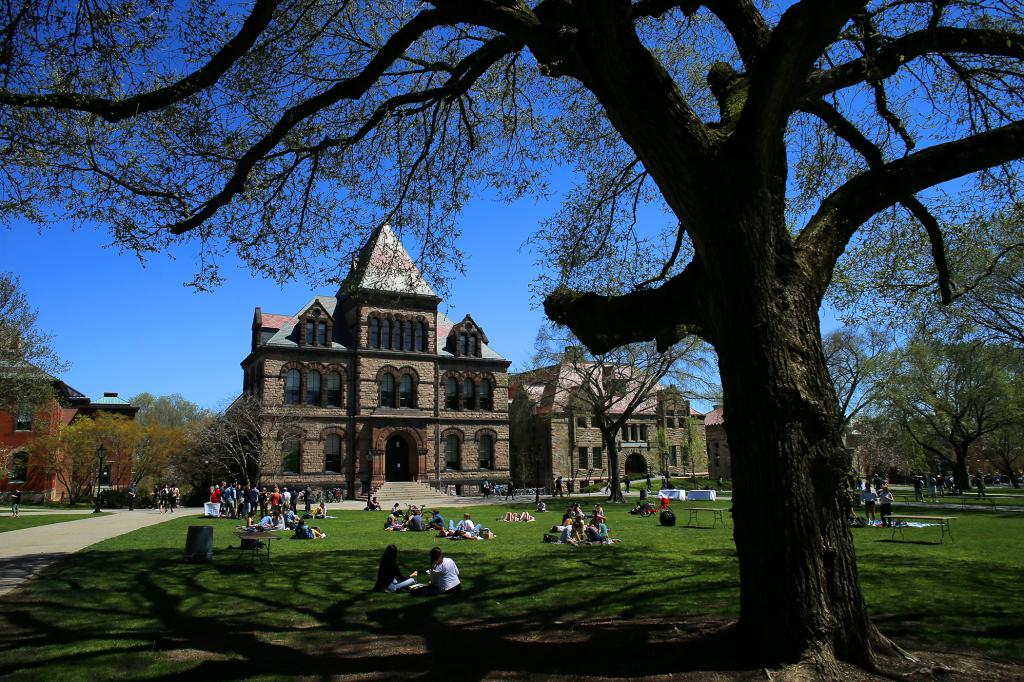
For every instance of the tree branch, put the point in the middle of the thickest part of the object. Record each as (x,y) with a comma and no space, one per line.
(778,76)
(464,74)
(845,130)
(827,233)
(895,53)
(606,322)
(117,110)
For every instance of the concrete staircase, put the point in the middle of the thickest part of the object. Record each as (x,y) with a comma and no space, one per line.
(410,492)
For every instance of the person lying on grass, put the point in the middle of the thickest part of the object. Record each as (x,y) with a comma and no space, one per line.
(515,517)
(304,532)
(389,576)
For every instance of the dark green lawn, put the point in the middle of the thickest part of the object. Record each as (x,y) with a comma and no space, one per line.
(132,607)
(36,519)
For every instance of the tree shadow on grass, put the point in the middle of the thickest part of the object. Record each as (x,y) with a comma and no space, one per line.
(138,611)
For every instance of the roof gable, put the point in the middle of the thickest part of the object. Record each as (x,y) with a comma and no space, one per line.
(383,264)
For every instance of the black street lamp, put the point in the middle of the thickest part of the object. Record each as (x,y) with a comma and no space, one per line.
(101,452)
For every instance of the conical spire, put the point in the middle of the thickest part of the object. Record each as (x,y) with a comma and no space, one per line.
(383,264)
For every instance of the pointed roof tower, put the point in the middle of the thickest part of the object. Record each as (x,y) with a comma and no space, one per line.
(383,264)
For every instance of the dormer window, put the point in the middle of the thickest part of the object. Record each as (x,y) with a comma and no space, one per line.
(316,329)
(321,333)
(466,339)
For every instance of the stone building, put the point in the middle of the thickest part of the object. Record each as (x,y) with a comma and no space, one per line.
(719,459)
(570,444)
(379,385)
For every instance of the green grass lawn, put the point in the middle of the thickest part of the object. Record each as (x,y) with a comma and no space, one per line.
(8,522)
(130,606)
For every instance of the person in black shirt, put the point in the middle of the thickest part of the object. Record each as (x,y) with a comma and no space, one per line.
(16,503)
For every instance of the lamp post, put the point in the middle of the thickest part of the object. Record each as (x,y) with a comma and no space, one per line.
(101,452)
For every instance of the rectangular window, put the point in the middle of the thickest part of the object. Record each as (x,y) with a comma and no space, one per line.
(593,421)
(674,459)
(643,432)
(581,422)
(321,333)
(451,453)
(583,458)
(597,463)
(310,339)
(670,422)
(23,422)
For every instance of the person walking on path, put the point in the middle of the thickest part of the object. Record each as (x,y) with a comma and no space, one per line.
(307,495)
(16,503)
(981,483)
(627,483)
(648,481)
(132,491)
(510,490)
(558,486)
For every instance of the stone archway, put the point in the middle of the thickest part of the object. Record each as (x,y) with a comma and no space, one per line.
(636,465)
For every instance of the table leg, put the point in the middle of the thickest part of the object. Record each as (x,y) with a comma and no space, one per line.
(692,518)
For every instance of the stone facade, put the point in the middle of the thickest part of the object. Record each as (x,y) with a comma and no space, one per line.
(357,384)
(719,458)
(572,446)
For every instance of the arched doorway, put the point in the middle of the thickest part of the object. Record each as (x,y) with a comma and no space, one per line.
(396,460)
(636,464)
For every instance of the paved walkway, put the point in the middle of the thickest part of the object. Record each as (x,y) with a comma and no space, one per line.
(23,553)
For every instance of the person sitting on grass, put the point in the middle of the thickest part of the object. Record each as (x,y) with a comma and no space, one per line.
(272,522)
(416,522)
(397,509)
(290,519)
(541,507)
(444,575)
(372,505)
(389,576)
(321,511)
(597,533)
(393,523)
(598,514)
(437,521)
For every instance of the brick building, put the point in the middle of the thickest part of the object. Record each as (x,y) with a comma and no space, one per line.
(571,445)
(379,384)
(28,471)
(719,459)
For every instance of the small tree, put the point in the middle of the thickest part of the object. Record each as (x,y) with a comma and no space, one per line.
(245,439)
(611,387)
(952,395)
(27,361)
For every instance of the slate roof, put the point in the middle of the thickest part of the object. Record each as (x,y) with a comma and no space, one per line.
(110,400)
(715,417)
(272,321)
(286,325)
(383,264)
(444,326)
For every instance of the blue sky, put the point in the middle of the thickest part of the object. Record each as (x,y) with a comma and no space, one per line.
(129,327)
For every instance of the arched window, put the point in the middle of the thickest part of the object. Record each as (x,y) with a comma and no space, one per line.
(486,395)
(333,389)
(405,396)
(385,333)
(420,336)
(407,335)
(293,387)
(486,452)
(332,453)
(374,333)
(290,451)
(451,394)
(451,453)
(396,335)
(19,467)
(468,395)
(312,387)
(387,391)
(321,333)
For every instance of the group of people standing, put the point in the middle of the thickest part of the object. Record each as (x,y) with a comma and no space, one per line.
(237,500)
(165,498)
(877,495)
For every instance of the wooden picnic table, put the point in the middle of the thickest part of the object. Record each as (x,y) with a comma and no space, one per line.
(943,521)
(717,514)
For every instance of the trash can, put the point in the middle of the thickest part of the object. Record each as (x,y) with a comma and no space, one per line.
(199,544)
(667,518)
(643,494)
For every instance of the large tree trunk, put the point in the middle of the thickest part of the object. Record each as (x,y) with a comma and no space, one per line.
(961,476)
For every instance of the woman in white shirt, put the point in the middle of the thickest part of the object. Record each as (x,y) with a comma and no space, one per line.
(444,575)
(869,497)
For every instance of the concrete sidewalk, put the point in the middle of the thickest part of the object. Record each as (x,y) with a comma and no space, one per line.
(23,553)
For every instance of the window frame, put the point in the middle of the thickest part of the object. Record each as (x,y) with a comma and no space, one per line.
(314,384)
(406,398)
(468,394)
(293,396)
(481,464)
(583,455)
(486,402)
(334,402)
(388,390)
(286,455)
(23,421)
(373,335)
(451,398)
(448,441)
(329,455)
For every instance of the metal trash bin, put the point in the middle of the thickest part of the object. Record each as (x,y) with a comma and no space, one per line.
(199,544)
